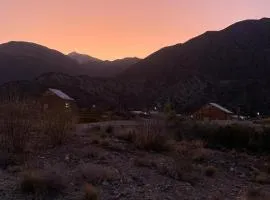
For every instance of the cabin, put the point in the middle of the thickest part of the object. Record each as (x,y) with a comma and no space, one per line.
(213,111)
(54,99)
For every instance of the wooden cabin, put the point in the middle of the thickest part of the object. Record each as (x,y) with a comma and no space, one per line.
(54,99)
(213,111)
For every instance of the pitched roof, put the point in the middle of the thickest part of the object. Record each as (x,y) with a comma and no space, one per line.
(61,94)
(221,108)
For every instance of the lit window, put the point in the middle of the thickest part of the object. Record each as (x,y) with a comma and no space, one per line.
(67,105)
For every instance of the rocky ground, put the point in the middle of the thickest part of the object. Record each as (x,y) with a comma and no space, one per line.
(107,164)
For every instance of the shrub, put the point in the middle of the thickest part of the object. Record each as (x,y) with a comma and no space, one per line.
(144,162)
(57,126)
(255,193)
(90,192)
(232,136)
(152,136)
(210,171)
(41,183)
(126,135)
(200,155)
(16,123)
(96,174)
(262,178)
(109,129)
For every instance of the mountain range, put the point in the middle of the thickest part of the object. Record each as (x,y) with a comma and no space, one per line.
(25,61)
(102,68)
(229,67)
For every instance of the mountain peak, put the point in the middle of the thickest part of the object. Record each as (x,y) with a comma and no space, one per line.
(83,58)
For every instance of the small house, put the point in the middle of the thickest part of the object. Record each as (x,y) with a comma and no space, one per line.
(54,99)
(213,111)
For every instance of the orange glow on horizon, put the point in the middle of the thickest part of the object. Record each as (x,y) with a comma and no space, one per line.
(111,29)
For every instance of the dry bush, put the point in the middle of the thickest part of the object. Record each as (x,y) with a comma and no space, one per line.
(201,155)
(105,142)
(255,193)
(126,135)
(96,174)
(262,178)
(10,159)
(57,126)
(109,129)
(152,135)
(183,167)
(90,192)
(41,182)
(144,162)
(210,171)
(16,124)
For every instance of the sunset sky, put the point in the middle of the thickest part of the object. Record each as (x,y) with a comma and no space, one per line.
(110,29)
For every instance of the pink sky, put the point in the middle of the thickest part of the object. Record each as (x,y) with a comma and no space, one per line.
(110,29)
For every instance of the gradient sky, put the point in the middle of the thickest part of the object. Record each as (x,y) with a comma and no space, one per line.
(110,29)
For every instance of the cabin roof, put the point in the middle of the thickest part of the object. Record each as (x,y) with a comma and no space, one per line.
(221,108)
(61,94)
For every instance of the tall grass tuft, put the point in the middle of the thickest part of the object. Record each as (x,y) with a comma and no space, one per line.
(57,126)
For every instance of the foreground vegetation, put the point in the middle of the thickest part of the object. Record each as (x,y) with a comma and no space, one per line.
(49,160)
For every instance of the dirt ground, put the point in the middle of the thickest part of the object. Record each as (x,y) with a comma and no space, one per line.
(135,174)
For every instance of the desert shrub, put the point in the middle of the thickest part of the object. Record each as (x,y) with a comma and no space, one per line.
(264,140)
(144,162)
(94,128)
(127,135)
(57,126)
(210,171)
(255,193)
(262,178)
(109,129)
(232,136)
(184,170)
(41,182)
(96,174)
(90,192)
(151,136)
(105,142)
(16,124)
(201,155)
(188,130)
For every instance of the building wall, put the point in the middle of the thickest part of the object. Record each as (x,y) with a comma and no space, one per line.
(53,102)
(209,112)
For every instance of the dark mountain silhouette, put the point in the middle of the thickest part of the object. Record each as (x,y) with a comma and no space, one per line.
(83,58)
(230,66)
(103,68)
(24,61)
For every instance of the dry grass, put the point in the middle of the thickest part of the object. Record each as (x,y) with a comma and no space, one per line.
(96,174)
(57,126)
(152,136)
(90,192)
(16,124)
(41,182)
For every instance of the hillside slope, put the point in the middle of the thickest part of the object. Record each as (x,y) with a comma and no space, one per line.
(25,61)
(230,66)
